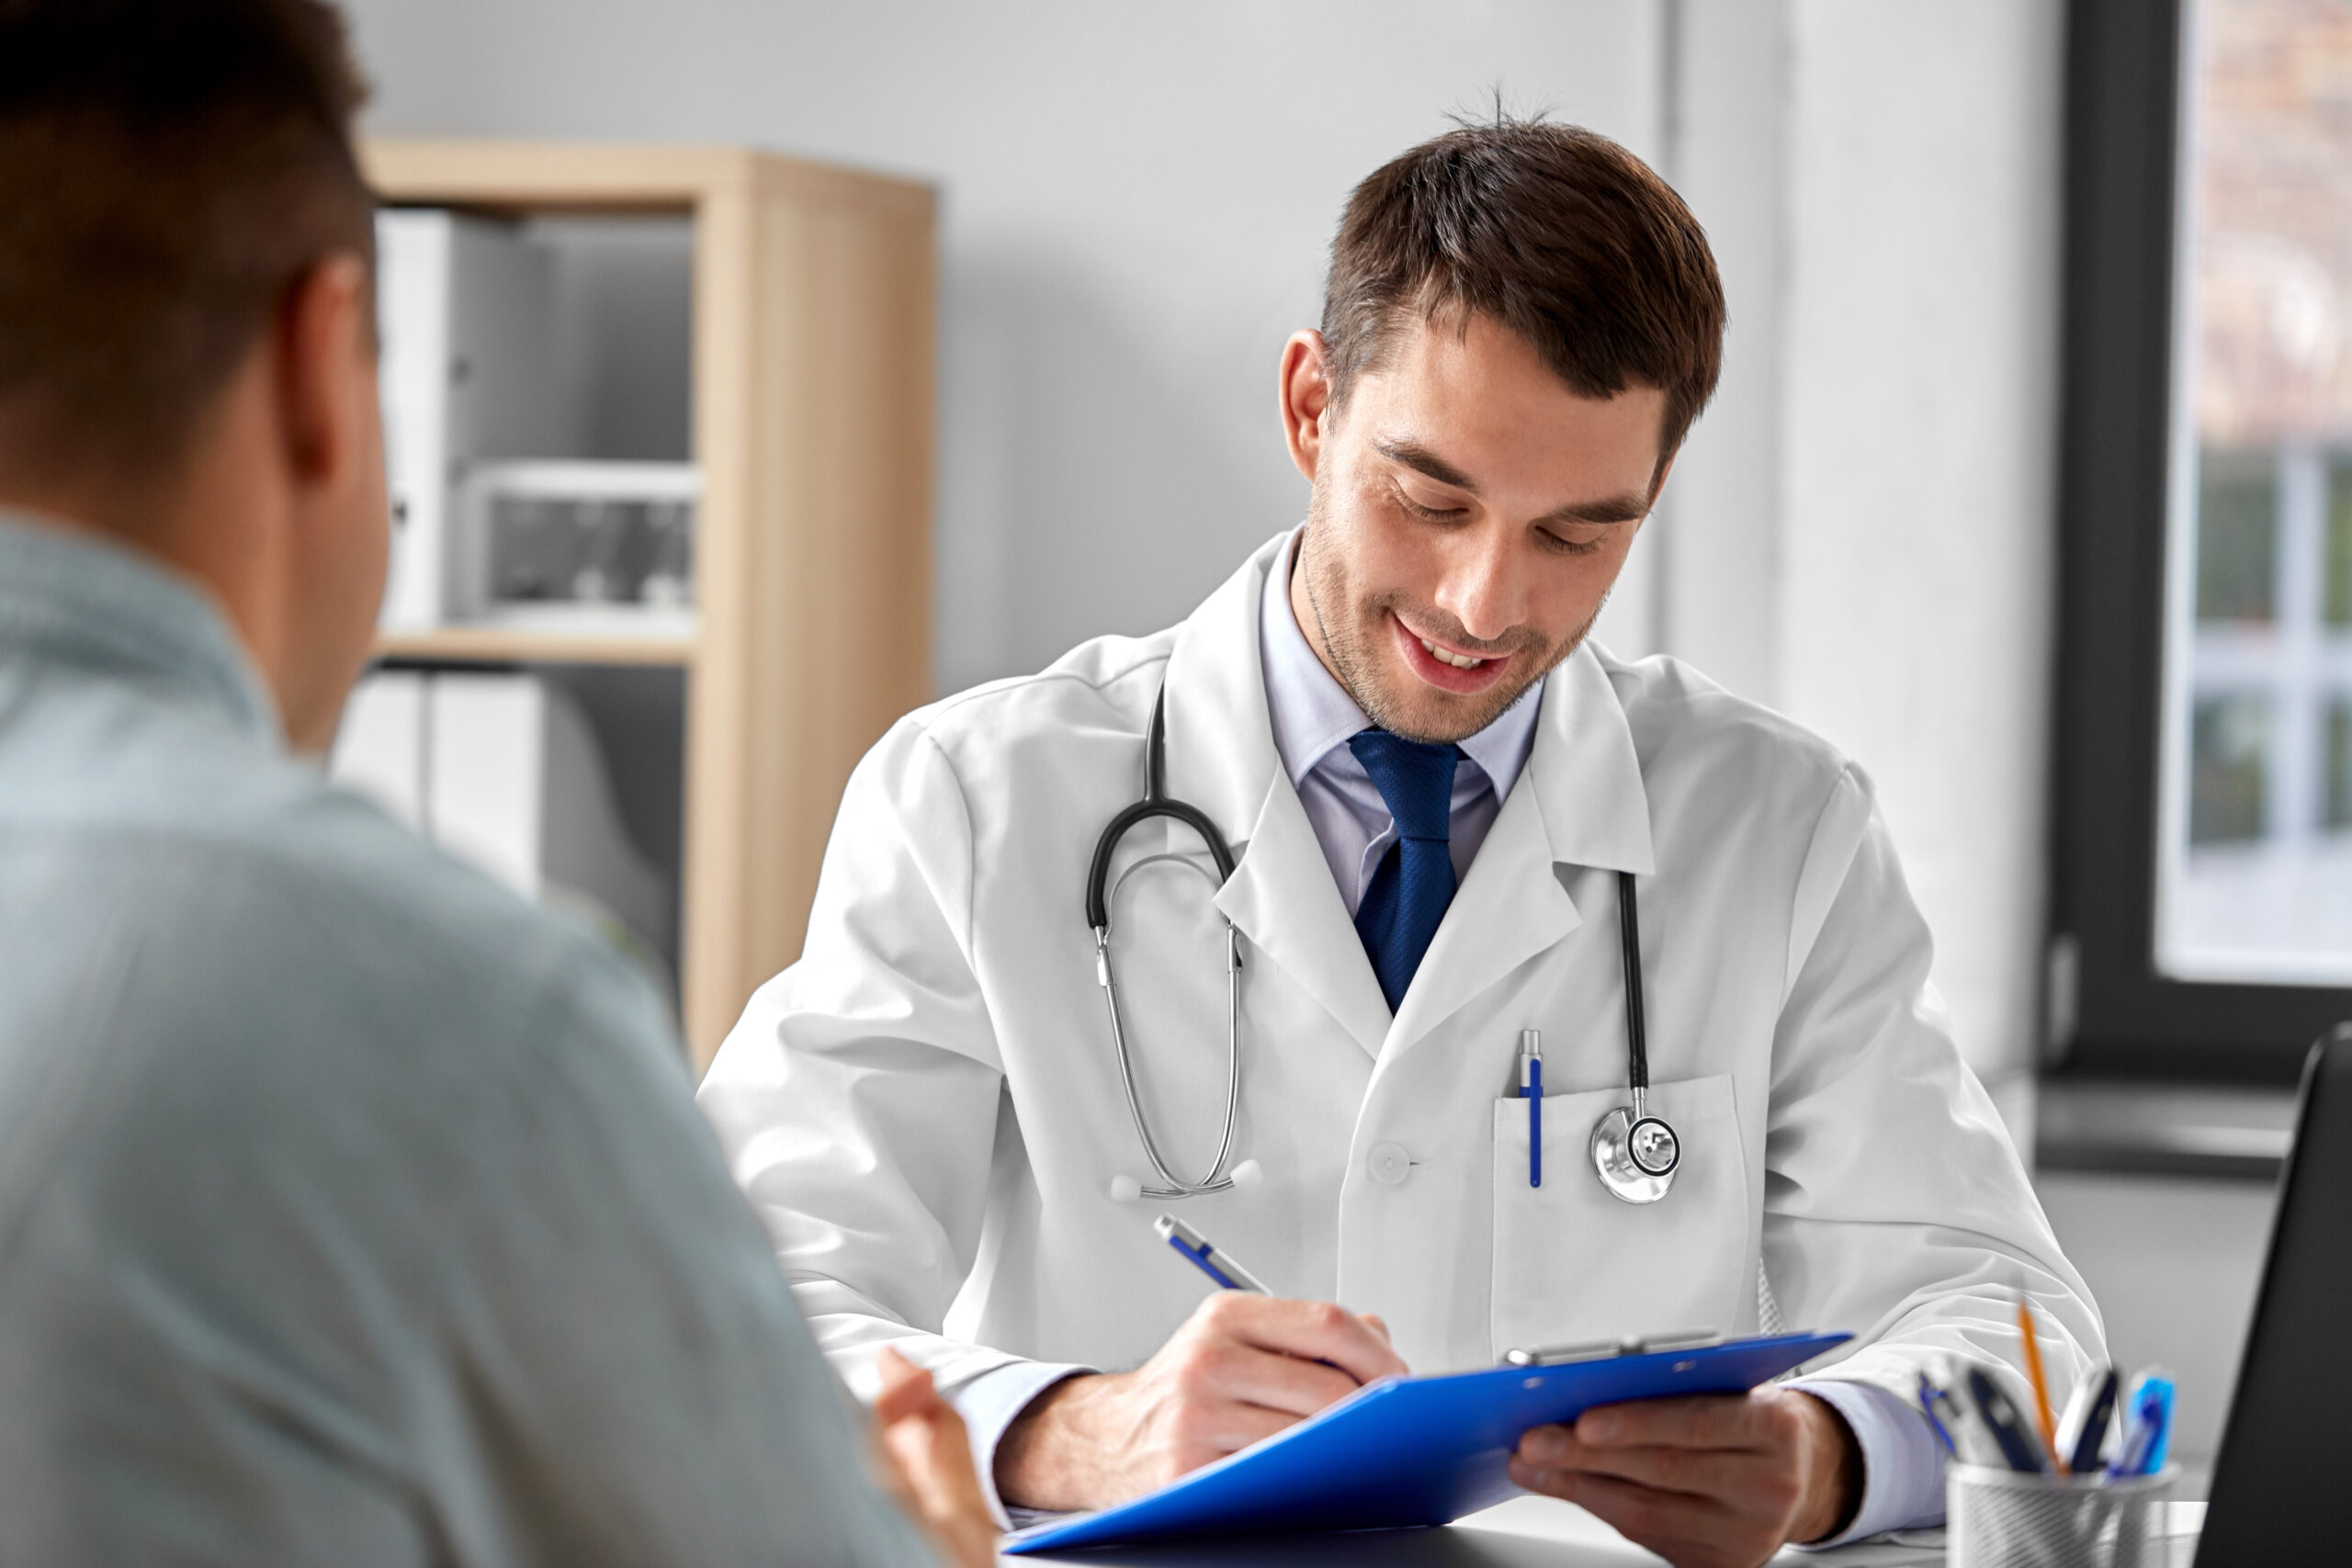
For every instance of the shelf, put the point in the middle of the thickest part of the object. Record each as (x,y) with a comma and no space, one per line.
(813,295)
(492,645)
(590,178)
(2119,1127)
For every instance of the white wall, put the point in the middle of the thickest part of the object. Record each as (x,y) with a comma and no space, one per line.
(1862,532)
(1138,205)
(2175,1265)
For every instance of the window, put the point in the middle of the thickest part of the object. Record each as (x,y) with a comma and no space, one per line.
(2203,828)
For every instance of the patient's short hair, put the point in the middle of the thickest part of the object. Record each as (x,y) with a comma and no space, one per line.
(168,168)
(1558,233)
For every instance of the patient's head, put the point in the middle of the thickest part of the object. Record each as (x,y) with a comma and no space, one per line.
(187,311)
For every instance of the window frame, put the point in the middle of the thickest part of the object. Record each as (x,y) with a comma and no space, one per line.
(2112,1015)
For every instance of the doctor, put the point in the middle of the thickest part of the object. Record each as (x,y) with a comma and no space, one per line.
(1437,798)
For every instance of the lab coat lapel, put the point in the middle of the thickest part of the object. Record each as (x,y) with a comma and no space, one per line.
(1283,898)
(1578,802)
(1221,757)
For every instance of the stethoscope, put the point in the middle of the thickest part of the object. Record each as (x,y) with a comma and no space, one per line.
(1634,1153)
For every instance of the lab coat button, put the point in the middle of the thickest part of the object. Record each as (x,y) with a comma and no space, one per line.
(1390,1163)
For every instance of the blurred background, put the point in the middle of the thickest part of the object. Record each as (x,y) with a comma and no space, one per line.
(2028,484)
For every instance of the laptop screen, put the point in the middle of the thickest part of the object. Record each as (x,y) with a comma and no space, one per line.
(2282,1487)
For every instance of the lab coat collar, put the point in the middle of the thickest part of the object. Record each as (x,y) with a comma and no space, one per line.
(1586,777)
(1220,736)
(1221,757)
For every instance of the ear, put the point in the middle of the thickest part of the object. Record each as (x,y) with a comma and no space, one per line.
(327,366)
(1305,392)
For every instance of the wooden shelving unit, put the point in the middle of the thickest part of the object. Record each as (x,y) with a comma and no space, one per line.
(813,320)
(493,645)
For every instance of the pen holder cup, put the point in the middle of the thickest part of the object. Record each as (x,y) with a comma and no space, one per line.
(2005,1519)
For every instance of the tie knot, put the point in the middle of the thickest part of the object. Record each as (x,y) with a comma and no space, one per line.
(1415,778)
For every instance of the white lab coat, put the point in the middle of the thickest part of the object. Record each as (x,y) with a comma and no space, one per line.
(926,1110)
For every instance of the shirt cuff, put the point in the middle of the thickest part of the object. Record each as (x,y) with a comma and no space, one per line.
(1903,1465)
(992,1402)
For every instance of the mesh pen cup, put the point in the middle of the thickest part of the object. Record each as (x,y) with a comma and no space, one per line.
(2005,1519)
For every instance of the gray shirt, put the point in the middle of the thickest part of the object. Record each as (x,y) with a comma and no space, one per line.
(352,1211)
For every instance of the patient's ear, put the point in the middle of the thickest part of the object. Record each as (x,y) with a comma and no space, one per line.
(325,353)
(330,451)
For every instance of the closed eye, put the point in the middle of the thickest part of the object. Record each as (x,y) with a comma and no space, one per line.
(1562,545)
(1428,514)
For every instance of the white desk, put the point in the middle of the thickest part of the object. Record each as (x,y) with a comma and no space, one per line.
(1526,1532)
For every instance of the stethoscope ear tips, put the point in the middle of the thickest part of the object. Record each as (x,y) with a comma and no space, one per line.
(1248,1173)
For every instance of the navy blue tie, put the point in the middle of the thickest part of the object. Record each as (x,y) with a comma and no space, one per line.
(1414,882)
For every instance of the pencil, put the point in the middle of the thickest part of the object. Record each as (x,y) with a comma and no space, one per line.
(2041,1386)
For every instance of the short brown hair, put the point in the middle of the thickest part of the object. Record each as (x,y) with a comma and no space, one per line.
(167,169)
(1555,231)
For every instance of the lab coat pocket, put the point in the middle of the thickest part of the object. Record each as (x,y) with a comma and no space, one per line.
(1572,1262)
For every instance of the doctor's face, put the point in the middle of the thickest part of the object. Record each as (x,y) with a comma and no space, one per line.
(1470,513)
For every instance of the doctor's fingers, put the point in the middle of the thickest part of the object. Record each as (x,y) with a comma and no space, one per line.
(1756,1420)
(1316,1331)
(1219,1371)
(1202,1433)
(1753,1477)
(1688,1531)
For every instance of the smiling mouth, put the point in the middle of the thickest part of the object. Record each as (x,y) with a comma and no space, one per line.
(1459,660)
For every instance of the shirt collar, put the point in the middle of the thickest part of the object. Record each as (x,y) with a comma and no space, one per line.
(79,596)
(1313,714)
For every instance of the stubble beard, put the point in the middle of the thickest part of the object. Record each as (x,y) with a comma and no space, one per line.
(1353,642)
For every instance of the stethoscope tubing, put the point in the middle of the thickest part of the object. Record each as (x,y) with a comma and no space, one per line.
(1156,803)
(1628,933)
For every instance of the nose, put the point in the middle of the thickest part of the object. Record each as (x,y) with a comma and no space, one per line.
(1481,587)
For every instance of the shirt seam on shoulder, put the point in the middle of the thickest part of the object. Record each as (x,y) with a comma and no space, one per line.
(964,936)
(1791,971)
(970,695)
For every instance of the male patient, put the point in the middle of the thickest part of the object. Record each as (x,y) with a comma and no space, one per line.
(351,1211)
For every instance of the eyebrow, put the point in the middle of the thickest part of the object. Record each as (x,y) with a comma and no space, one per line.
(1630,507)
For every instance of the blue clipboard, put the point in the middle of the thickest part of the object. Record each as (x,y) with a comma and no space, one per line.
(1407,1451)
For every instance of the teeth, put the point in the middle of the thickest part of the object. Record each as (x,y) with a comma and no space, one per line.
(1458,660)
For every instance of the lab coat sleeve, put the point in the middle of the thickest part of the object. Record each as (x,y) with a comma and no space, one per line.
(857,1098)
(1894,1204)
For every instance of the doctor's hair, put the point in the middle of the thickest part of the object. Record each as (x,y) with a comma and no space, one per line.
(169,169)
(1555,232)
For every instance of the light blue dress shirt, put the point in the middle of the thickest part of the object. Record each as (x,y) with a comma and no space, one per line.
(1313,718)
(352,1211)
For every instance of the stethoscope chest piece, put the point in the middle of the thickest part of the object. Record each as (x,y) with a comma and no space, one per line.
(1636,1155)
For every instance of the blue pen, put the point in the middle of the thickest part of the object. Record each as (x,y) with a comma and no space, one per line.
(2147,1432)
(2008,1425)
(1530,1088)
(2082,1435)
(1930,1398)
(1218,1266)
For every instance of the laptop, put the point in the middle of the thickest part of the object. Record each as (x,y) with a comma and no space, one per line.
(2282,1486)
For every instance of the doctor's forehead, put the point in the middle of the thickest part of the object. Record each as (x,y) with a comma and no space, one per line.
(1475,408)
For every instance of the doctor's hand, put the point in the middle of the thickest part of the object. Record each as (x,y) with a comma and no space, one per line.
(927,1463)
(1243,1367)
(1719,1481)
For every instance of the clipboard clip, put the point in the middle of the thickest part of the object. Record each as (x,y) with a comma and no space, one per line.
(1602,1349)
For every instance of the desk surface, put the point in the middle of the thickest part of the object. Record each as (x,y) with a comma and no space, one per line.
(1526,1532)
